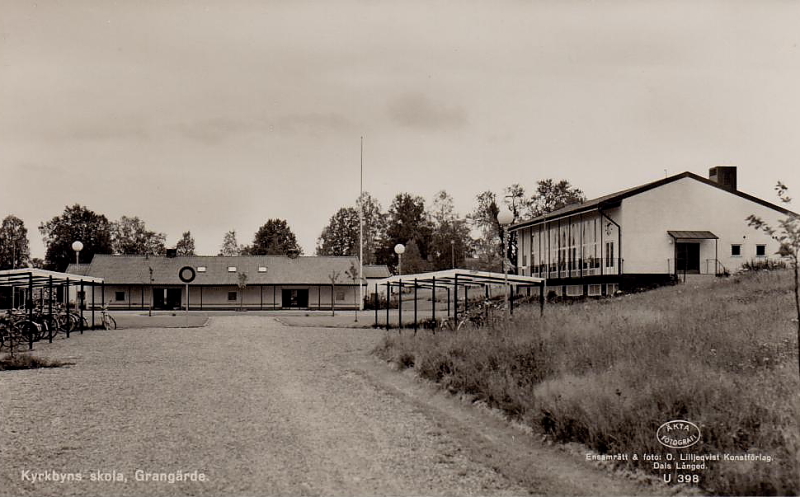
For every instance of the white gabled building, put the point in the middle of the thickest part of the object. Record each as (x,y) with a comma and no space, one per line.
(647,235)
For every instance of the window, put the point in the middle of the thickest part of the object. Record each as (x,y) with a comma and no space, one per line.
(232,296)
(339,294)
(262,269)
(574,290)
(761,250)
(736,250)
(524,260)
(609,254)
(612,288)
(231,269)
(119,296)
(201,269)
(595,290)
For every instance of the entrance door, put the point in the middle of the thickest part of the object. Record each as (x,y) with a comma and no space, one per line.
(687,258)
(297,298)
(166,298)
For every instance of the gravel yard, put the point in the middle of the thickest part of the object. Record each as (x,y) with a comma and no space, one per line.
(258,408)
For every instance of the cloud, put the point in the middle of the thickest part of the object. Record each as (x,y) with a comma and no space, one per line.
(415,110)
(222,128)
(312,123)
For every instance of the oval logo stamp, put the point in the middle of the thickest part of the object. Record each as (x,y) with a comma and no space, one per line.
(678,434)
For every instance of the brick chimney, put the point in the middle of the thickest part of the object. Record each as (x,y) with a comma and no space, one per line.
(725,176)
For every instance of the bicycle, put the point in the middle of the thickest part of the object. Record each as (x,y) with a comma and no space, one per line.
(452,323)
(108,321)
(17,331)
(10,338)
(75,321)
(480,315)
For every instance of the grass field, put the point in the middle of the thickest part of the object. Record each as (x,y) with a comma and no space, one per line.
(721,353)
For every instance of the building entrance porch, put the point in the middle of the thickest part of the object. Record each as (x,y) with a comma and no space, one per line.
(687,257)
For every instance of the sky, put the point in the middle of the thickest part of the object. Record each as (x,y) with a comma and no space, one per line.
(210,116)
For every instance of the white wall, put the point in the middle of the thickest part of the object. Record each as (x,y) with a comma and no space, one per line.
(689,205)
(217,296)
(133,296)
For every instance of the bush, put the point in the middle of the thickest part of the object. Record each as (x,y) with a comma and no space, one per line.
(25,361)
(762,265)
(369,304)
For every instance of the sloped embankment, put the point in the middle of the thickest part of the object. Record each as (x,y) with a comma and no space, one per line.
(719,353)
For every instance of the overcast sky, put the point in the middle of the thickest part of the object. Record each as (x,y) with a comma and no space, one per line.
(211,116)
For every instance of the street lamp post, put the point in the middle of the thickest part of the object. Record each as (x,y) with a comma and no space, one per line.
(453,253)
(13,266)
(77,246)
(505,218)
(150,309)
(399,249)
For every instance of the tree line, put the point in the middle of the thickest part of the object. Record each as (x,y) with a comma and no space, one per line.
(435,236)
(127,236)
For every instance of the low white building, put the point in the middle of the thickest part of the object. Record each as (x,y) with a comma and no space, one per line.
(648,235)
(269,282)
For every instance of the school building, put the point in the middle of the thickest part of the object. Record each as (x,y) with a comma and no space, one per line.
(220,282)
(676,227)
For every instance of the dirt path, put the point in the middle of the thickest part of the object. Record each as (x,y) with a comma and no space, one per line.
(260,409)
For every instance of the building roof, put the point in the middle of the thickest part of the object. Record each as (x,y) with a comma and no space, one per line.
(692,235)
(614,200)
(280,270)
(461,277)
(372,271)
(26,277)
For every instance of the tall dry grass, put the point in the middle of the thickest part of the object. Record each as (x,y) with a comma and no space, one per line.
(608,373)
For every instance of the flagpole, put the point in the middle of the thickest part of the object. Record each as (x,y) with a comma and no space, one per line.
(361,233)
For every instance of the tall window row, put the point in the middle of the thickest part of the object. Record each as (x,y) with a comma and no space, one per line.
(570,248)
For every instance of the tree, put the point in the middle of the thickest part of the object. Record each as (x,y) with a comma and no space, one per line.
(75,223)
(413,262)
(407,221)
(130,236)
(334,276)
(14,249)
(483,218)
(551,196)
(340,236)
(185,245)
(450,241)
(516,203)
(275,237)
(241,282)
(352,273)
(230,246)
(787,233)
(548,197)
(374,226)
